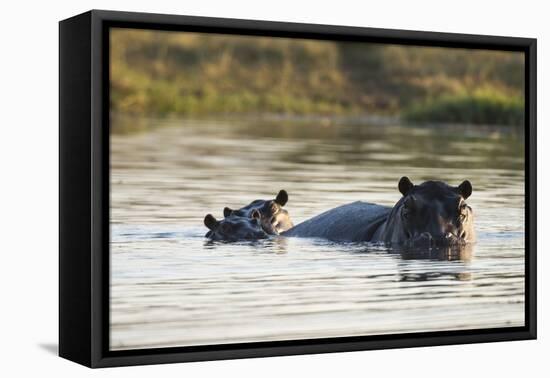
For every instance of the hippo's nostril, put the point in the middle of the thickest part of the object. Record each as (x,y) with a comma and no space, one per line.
(425,239)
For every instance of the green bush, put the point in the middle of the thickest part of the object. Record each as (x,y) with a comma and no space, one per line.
(481,107)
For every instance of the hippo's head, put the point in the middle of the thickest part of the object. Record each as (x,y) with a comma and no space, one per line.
(235,228)
(273,218)
(432,213)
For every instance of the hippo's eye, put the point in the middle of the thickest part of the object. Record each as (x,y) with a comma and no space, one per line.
(274,207)
(463,214)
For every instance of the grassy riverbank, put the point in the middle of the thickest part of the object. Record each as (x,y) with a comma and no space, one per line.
(188,74)
(479,107)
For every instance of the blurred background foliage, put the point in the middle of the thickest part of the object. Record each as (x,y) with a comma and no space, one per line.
(159,73)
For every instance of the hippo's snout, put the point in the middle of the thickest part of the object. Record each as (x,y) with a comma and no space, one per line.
(426,240)
(449,236)
(450,239)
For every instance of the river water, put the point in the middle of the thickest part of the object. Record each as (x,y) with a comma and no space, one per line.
(171,287)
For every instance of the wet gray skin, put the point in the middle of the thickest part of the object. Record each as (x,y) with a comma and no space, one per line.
(235,228)
(427,215)
(273,218)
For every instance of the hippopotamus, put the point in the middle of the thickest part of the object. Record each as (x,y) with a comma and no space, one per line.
(235,228)
(273,218)
(430,214)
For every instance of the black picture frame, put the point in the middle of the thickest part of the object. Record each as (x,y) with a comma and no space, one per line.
(84,188)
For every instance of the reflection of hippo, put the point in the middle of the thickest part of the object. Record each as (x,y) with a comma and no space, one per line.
(273,217)
(432,213)
(234,228)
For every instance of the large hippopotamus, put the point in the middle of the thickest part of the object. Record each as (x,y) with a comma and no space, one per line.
(430,214)
(273,218)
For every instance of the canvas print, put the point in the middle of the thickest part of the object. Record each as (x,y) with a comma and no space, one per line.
(269,189)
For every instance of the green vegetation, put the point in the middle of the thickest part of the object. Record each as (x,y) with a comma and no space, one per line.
(158,73)
(480,107)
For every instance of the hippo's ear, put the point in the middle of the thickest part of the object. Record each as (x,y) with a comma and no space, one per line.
(255,214)
(227,212)
(282,197)
(210,222)
(405,185)
(465,189)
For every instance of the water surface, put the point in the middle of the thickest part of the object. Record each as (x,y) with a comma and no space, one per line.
(171,287)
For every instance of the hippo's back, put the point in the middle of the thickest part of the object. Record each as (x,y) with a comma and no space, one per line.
(356,221)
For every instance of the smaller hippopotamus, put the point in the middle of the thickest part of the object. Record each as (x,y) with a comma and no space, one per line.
(273,218)
(235,228)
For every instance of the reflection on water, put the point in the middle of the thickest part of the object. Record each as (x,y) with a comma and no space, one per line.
(171,287)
